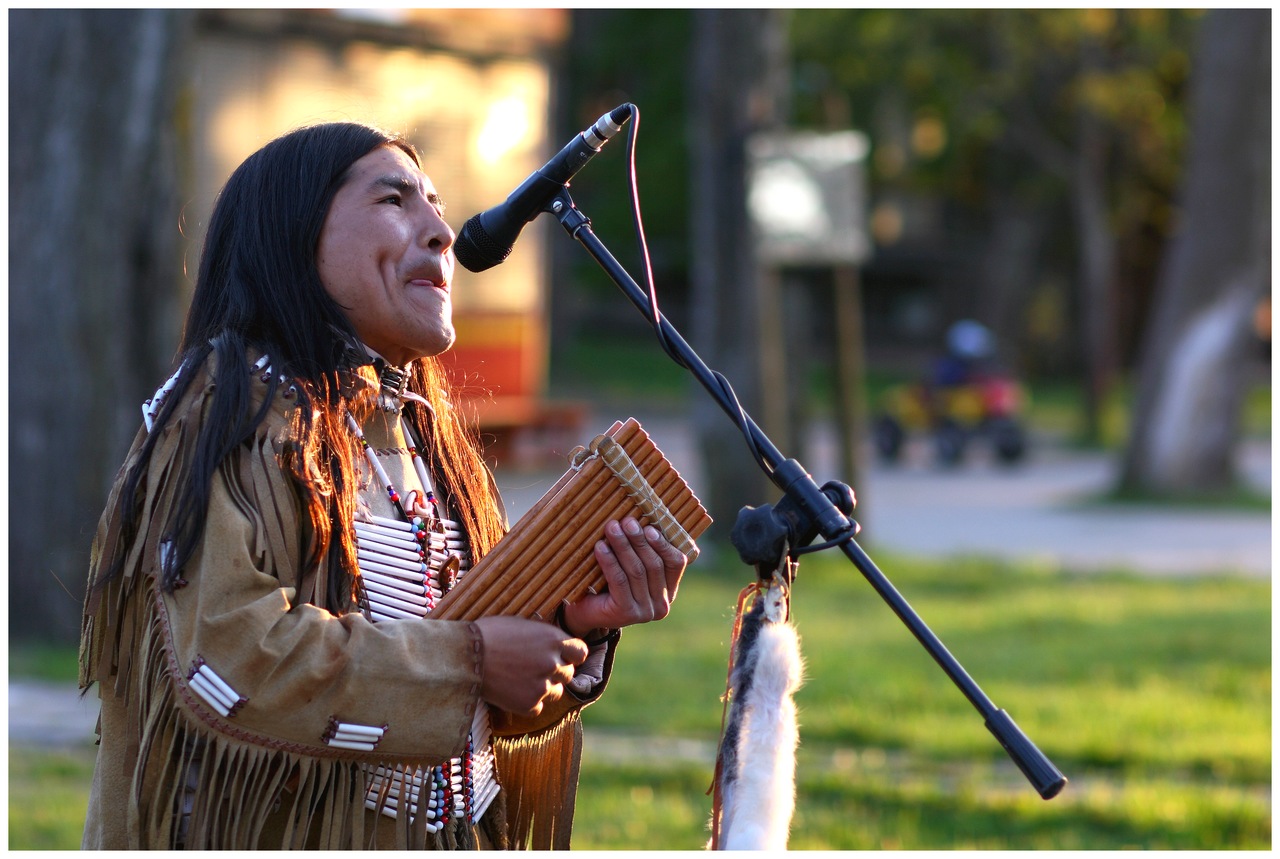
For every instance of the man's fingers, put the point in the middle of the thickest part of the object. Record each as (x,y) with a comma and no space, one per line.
(673,564)
(641,543)
(673,561)
(624,570)
(526,663)
(574,651)
(642,570)
(648,570)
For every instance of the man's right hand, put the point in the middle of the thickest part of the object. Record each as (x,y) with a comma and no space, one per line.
(526,663)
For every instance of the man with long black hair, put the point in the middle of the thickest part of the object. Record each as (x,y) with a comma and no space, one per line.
(301,492)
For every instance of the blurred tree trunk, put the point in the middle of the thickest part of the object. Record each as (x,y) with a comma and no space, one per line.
(94,266)
(1192,380)
(738,74)
(1010,268)
(1097,261)
(1081,163)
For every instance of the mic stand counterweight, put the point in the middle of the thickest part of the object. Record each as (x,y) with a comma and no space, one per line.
(812,509)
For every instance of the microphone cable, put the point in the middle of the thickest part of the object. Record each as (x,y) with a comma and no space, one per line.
(725,390)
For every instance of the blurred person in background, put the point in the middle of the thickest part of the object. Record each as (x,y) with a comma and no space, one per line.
(258,611)
(971,350)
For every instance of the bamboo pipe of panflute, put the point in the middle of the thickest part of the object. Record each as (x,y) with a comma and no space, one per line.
(485,582)
(579,537)
(579,571)
(618,427)
(570,571)
(535,536)
(493,587)
(593,481)
(549,496)
(577,578)
(531,527)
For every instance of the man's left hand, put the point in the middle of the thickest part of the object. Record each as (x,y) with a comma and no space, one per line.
(643,572)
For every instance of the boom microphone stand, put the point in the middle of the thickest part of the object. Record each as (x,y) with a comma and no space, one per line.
(805,510)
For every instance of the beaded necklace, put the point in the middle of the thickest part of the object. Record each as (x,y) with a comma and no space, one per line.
(413,538)
(406,565)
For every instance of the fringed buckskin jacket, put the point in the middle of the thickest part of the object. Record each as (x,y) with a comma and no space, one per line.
(236,714)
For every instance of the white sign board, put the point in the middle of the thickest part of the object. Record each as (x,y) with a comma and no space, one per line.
(806,197)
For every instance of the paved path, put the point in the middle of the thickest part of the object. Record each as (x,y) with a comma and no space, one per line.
(1038,511)
(1049,512)
(50,715)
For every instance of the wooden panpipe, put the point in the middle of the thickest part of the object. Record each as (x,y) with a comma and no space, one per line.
(548,556)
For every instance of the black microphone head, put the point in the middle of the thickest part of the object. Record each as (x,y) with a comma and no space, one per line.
(476,250)
(621,114)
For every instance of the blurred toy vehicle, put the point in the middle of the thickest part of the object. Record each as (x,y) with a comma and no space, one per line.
(968,398)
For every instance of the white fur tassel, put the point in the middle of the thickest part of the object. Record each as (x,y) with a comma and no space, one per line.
(759,798)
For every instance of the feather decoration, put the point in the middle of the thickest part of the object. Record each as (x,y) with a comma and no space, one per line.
(755,769)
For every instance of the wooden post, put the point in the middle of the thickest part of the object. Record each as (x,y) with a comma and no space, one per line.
(850,373)
(772,361)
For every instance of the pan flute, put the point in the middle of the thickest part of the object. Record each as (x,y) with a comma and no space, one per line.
(548,557)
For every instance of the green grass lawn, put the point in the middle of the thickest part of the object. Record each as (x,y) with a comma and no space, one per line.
(1152,696)
(48,795)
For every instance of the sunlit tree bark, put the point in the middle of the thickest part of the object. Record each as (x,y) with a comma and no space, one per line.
(1192,372)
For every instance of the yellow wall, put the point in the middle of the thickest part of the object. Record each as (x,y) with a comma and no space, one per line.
(477,108)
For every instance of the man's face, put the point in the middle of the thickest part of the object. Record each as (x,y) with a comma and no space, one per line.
(386,257)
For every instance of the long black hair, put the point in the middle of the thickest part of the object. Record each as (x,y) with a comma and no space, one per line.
(258,290)
(258,278)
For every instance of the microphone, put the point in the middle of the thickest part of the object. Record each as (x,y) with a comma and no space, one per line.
(487,239)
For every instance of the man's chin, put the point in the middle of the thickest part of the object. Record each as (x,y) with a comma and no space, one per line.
(445,342)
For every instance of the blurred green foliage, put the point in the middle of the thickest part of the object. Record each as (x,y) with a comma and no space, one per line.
(981,85)
(977,109)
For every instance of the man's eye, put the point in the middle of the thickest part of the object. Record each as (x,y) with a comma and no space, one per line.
(394,199)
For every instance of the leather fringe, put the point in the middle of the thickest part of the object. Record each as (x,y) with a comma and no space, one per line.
(110,632)
(191,787)
(195,789)
(539,777)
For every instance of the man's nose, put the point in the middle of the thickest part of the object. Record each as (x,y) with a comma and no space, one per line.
(436,233)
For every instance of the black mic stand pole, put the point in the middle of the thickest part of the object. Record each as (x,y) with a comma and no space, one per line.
(761,534)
